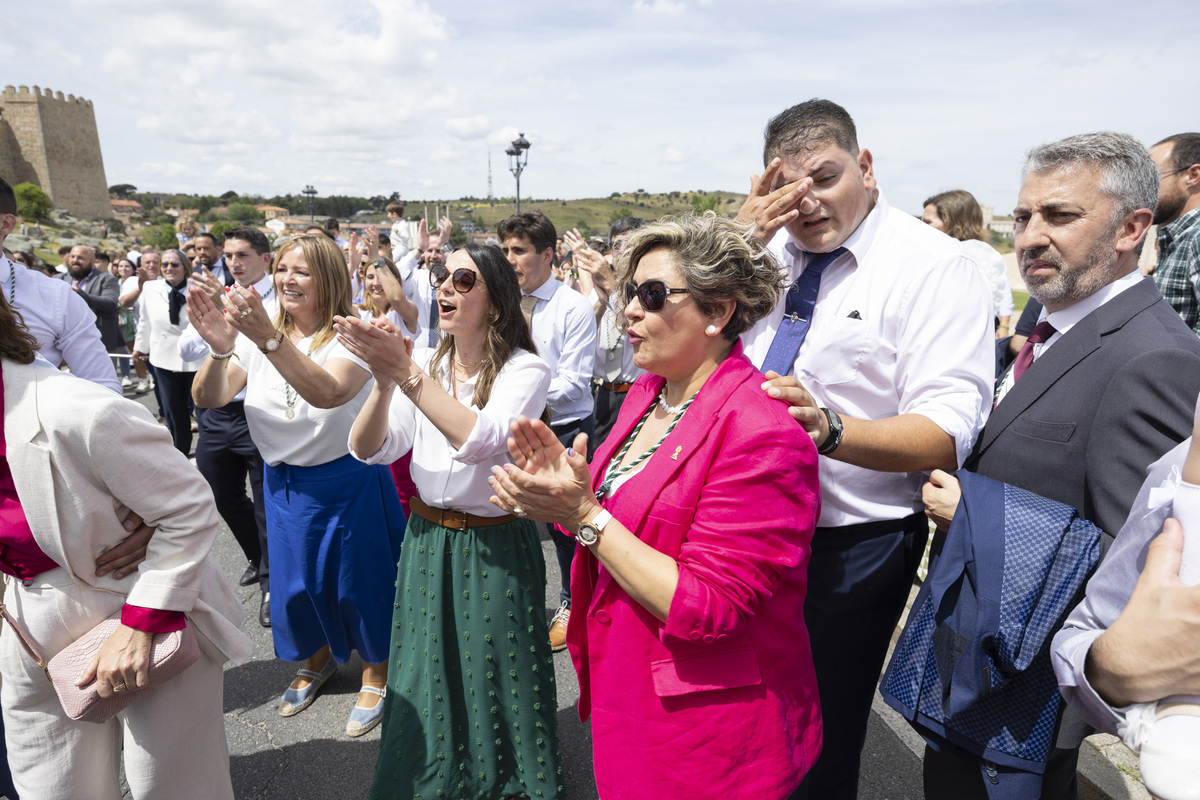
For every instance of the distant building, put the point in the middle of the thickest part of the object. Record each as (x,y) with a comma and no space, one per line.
(273,212)
(129,208)
(51,141)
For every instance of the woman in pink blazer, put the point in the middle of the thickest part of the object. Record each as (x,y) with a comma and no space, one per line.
(697,513)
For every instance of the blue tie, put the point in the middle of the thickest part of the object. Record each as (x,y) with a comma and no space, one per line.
(797,314)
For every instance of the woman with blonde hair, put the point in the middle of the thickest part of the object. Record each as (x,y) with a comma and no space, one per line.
(334,525)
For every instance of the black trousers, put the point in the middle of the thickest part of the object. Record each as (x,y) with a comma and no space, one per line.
(948,777)
(564,546)
(859,577)
(225,456)
(176,397)
(608,407)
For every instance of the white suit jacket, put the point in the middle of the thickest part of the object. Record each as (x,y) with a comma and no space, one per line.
(81,458)
(155,333)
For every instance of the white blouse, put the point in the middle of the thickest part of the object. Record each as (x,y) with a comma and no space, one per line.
(457,478)
(311,436)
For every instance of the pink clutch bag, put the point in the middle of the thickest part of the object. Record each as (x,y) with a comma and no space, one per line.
(170,654)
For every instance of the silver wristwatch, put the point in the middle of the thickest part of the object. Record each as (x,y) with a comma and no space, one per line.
(589,532)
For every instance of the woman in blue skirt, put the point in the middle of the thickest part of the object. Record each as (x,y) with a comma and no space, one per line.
(471,707)
(334,525)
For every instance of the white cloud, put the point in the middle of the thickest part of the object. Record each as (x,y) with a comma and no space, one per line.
(674,155)
(468,127)
(659,7)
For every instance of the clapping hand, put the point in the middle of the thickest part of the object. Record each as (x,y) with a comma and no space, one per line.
(546,481)
(206,282)
(380,344)
(210,322)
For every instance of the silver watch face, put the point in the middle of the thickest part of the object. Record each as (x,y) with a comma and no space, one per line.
(272,344)
(588,534)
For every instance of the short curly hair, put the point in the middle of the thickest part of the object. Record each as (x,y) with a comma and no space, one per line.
(718,259)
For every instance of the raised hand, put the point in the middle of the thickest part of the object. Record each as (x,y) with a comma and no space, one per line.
(546,481)
(771,210)
(380,344)
(422,236)
(444,228)
(206,282)
(210,322)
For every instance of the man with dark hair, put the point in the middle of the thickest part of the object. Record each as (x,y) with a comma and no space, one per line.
(60,320)
(614,372)
(564,330)
(209,256)
(225,453)
(1105,385)
(1178,221)
(890,381)
(62,259)
(334,229)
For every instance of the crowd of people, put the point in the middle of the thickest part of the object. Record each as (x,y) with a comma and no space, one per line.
(737,433)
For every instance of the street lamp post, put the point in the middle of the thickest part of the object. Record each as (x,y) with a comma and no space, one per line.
(312,196)
(518,157)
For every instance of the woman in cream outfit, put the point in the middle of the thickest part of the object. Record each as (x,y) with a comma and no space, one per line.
(81,456)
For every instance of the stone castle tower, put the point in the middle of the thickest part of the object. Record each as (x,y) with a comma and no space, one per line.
(52,142)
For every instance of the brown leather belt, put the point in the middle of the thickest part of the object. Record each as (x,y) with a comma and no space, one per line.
(455,520)
(619,388)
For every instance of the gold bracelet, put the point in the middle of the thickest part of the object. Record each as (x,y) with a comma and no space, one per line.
(411,384)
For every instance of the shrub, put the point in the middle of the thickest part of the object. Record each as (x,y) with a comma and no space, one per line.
(32,202)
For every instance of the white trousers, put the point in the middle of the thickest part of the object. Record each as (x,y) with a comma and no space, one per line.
(173,737)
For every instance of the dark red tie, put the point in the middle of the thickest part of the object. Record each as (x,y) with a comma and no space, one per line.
(1041,332)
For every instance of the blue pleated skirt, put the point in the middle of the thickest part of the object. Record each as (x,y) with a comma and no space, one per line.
(334,533)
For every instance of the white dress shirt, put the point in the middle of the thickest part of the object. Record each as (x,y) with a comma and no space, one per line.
(457,478)
(564,330)
(995,271)
(192,347)
(902,325)
(60,320)
(419,291)
(156,336)
(313,436)
(614,354)
(1066,318)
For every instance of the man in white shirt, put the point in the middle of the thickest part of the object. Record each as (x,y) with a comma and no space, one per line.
(225,453)
(60,319)
(614,372)
(402,235)
(564,330)
(891,380)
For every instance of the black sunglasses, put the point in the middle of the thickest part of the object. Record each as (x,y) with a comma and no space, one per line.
(463,279)
(651,294)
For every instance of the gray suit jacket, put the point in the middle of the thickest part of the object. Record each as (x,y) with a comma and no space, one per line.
(1098,408)
(102,293)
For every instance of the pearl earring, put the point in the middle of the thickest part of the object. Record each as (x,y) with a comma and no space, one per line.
(711,330)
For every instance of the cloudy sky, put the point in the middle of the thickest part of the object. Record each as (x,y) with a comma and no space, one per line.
(368,97)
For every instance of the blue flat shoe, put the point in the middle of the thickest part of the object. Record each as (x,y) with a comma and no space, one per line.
(364,719)
(296,700)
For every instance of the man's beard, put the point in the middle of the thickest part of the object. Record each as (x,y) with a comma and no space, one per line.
(1169,208)
(1067,287)
(78,273)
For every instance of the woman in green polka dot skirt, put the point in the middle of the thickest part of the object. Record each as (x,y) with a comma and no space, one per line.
(470,710)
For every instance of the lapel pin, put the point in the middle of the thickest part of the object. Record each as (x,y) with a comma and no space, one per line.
(675,455)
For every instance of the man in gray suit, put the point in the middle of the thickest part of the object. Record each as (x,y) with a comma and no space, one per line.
(101,291)
(1105,385)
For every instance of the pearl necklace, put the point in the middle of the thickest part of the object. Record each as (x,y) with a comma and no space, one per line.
(670,409)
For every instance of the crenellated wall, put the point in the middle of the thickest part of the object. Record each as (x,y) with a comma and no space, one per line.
(51,141)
